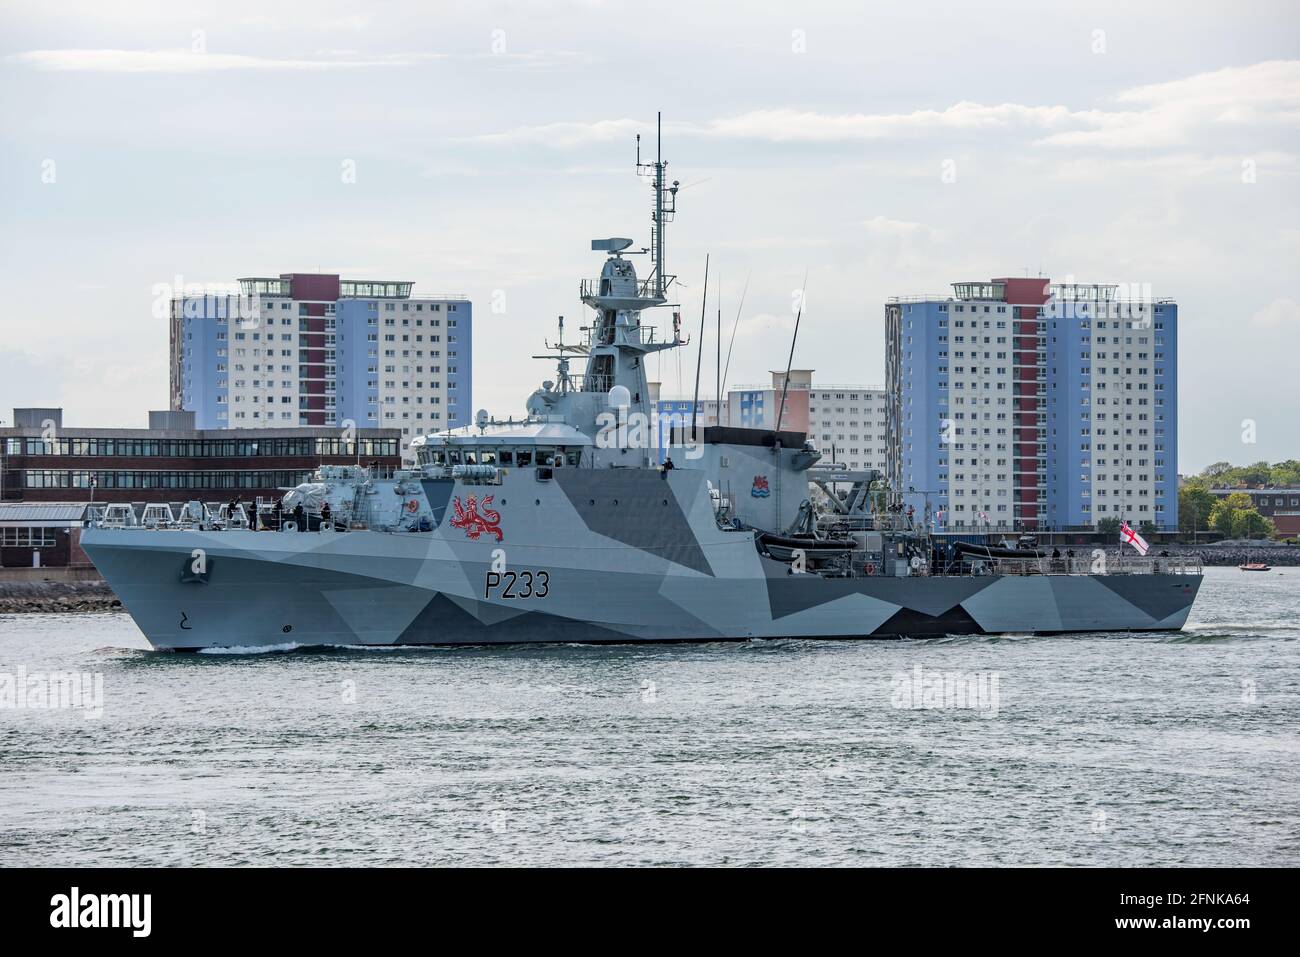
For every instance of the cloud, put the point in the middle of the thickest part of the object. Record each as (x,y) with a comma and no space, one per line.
(1177,112)
(766,328)
(533,59)
(793,126)
(1181,164)
(782,242)
(883,226)
(1277,314)
(565,135)
(1270,83)
(180,60)
(1155,115)
(186,61)
(902,251)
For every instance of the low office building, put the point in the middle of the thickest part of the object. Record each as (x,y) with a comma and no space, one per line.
(45,535)
(171,461)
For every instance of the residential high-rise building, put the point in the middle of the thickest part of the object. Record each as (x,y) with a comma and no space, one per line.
(311,349)
(849,424)
(1019,404)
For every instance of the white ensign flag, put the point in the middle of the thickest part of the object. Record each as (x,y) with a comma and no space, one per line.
(1126,534)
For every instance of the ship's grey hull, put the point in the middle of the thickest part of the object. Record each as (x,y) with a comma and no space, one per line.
(262,589)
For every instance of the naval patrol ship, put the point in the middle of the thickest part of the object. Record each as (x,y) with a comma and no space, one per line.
(563,526)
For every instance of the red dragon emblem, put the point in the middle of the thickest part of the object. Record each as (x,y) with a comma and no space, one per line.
(474,524)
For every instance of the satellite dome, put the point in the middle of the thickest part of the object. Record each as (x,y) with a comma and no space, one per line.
(619,397)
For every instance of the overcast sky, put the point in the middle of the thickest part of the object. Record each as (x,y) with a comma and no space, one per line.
(1109,142)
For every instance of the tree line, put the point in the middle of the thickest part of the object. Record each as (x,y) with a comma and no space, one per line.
(1234,515)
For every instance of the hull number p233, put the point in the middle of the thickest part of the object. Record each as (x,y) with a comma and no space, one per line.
(517,584)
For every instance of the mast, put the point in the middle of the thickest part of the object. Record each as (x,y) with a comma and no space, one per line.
(616,344)
(659,205)
(665,205)
(699,353)
(718,407)
(785,386)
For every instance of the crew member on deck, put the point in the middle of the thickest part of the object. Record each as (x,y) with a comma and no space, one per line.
(325,514)
(300,516)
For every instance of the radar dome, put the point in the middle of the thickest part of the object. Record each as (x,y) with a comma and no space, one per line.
(619,397)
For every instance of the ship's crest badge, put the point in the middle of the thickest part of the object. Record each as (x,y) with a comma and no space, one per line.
(473,522)
(760,489)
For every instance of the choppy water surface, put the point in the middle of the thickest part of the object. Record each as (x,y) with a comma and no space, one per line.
(1098,749)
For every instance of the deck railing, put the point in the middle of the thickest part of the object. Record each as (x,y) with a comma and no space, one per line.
(859,564)
(1106,563)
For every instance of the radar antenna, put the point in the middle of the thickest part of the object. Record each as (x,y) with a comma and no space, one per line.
(665,207)
(562,356)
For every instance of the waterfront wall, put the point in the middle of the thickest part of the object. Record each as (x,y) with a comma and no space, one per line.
(69,573)
(56,596)
(1282,555)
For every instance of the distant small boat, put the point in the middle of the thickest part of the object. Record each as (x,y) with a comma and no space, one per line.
(1255,567)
